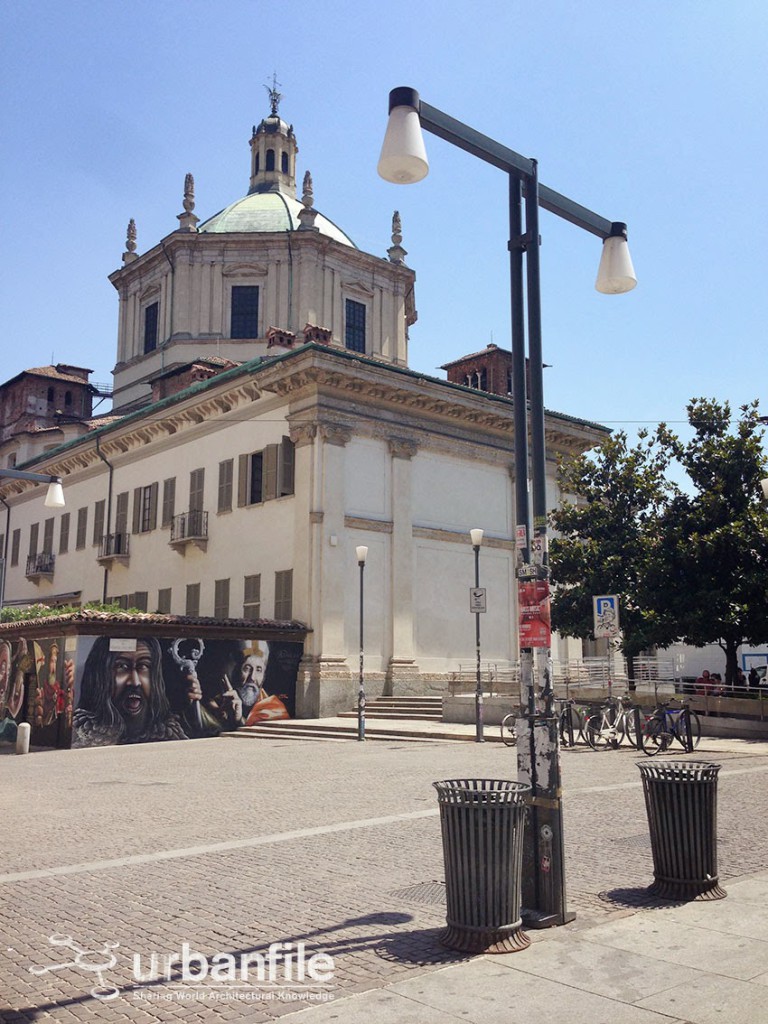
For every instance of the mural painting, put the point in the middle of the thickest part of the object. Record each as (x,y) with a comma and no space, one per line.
(148,689)
(36,686)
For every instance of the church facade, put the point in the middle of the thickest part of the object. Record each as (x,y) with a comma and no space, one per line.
(266,423)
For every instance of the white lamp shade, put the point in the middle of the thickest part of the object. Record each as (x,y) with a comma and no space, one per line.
(764,485)
(403,157)
(55,496)
(362,553)
(477,538)
(615,274)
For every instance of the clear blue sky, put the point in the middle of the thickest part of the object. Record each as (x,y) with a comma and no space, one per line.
(651,112)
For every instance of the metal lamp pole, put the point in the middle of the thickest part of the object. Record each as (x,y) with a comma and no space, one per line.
(403,160)
(362,554)
(479,606)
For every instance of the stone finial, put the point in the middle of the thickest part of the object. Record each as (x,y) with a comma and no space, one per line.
(187,220)
(396,252)
(189,193)
(308,197)
(130,243)
(307,214)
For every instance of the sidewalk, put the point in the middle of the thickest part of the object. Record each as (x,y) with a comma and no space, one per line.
(228,848)
(697,963)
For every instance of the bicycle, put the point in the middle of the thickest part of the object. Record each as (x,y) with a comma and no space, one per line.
(608,727)
(570,722)
(508,730)
(666,724)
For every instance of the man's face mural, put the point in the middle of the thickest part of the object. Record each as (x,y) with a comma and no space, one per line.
(131,685)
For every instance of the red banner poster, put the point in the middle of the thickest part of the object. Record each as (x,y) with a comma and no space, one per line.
(533,611)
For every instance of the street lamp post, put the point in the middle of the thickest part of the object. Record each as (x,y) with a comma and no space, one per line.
(479,606)
(404,160)
(54,498)
(362,554)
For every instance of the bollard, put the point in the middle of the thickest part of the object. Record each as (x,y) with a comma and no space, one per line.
(482,823)
(22,738)
(681,802)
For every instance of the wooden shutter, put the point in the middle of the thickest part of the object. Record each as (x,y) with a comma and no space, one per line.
(269,473)
(243,463)
(152,506)
(137,491)
(287,464)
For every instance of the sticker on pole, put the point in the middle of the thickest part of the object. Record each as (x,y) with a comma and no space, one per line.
(477,599)
(605,611)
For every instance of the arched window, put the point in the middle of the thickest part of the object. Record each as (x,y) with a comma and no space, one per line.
(270,159)
(284,163)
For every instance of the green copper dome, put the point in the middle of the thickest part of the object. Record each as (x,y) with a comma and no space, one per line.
(272,211)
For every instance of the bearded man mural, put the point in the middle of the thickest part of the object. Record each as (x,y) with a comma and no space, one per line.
(123,698)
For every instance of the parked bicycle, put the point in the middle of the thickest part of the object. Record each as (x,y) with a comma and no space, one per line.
(615,720)
(570,722)
(509,729)
(667,723)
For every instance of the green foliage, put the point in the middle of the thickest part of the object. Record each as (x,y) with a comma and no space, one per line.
(688,563)
(43,611)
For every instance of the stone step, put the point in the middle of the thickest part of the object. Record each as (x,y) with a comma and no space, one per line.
(372,711)
(328,735)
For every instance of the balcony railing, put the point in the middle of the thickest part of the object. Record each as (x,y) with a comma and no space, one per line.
(189,527)
(114,547)
(40,565)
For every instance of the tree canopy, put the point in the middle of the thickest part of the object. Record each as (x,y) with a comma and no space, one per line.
(689,560)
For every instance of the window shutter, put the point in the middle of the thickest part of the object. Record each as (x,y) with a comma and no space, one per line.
(153,506)
(169,500)
(242,480)
(287,464)
(33,534)
(196,490)
(48,537)
(137,509)
(269,472)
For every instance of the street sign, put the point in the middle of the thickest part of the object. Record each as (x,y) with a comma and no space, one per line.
(477,599)
(532,572)
(605,612)
(521,536)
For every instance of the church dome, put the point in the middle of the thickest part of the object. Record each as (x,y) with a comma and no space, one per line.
(268,212)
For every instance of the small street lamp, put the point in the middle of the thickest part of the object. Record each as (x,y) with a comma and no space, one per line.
(362,554)
(479,606)
(54,498)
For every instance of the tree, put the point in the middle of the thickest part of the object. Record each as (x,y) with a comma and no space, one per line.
(606,539)
(709,570)
(688,561)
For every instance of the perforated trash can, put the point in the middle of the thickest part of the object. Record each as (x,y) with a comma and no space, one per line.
(681,801)
(482,823)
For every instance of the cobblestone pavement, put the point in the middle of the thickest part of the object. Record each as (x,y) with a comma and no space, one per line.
(231,846)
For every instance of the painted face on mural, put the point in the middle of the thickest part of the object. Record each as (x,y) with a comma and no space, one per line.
(5,671)
(252,671)
(131,684)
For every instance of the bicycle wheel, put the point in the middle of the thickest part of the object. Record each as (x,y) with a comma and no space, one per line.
(655,735)
(596,733)
(508,730)
(571,726)
(627,725)
(678,730)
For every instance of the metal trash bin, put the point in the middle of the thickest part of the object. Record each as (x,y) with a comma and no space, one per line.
(482,823)
(681,801)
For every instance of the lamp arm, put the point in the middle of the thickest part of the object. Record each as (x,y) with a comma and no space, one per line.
(458,134)
(21,474)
